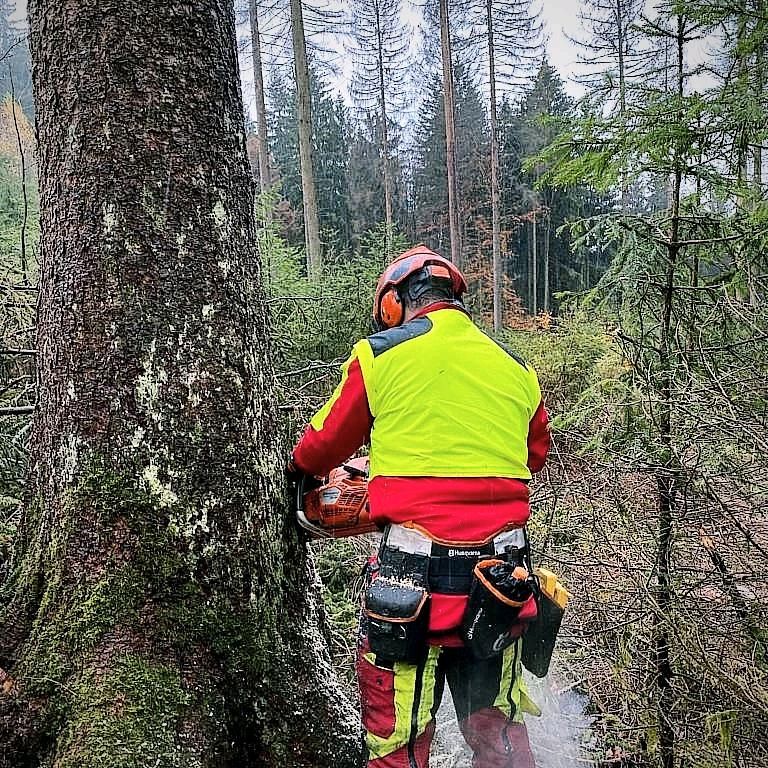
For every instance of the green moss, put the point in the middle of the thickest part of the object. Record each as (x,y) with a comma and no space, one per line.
(126,716)
(72,619)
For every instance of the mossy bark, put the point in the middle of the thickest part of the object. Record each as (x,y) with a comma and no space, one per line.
(161,609)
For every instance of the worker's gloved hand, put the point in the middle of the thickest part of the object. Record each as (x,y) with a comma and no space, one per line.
(293,476)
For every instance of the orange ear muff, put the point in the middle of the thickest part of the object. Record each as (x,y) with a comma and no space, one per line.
(391,309)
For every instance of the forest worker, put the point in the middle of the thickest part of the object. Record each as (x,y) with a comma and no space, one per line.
(456,425)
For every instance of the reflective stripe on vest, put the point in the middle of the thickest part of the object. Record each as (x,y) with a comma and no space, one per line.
(447,401)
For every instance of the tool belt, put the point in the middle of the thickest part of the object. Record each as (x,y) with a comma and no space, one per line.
(443,568)
(410,567)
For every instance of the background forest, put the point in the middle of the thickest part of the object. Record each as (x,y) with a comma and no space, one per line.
(616,239)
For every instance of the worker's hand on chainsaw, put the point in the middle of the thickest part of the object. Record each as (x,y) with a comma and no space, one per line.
(294,476)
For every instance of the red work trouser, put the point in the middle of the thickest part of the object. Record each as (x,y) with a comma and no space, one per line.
(399,701)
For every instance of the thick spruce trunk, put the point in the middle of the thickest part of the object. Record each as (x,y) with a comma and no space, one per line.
(161,610)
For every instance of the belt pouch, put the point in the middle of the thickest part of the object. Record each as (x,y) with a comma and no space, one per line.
(539,641)
(491,613)
(398,617)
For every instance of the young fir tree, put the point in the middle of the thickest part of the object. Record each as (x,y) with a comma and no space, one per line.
(695,344)
(160,609)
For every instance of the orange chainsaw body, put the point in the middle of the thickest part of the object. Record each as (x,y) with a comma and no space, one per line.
(339,507)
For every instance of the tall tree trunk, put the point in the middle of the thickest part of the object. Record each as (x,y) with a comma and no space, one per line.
(495,203)
(547,236)
(261,107)
(304,117)
(384,139)
(620,42)
(535,265)
(449,110)
(160,611)
(666,471)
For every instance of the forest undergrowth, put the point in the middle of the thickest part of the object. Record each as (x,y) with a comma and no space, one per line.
(595,522)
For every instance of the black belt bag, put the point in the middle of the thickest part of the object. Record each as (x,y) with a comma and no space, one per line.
(499,590)
(397,613)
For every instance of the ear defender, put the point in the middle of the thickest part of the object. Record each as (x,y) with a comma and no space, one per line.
(391,311)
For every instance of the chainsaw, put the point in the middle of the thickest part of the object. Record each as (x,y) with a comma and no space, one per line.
(338,507)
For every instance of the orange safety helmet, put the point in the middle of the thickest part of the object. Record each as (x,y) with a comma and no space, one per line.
(388,309)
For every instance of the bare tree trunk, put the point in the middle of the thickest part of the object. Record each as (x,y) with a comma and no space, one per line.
(304,116)
(535,265)
(160,611)
(449,109)
(622,87)
(495,203)
(384,139)
(261,107)
(547,235)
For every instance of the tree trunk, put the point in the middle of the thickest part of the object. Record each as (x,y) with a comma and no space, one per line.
(159,611)
(535,266)
(304,117)
(449,109)
(384,140)
(547,236)
(666,470)
(261,107)
(495,213)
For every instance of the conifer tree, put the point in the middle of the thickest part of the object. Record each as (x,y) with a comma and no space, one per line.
(429,188)
(615,50)
(304,120)
(684,320)
(380,49)
(506,35)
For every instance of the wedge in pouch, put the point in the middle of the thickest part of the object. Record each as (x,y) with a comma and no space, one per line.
(499,590)
(397,612)
(539,642)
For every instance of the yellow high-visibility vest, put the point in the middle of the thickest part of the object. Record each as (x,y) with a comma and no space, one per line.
(447,400)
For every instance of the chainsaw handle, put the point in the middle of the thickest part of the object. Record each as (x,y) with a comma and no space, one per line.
(354,471)
(316,531)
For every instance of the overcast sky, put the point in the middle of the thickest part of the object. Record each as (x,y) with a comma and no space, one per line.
(560,17)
